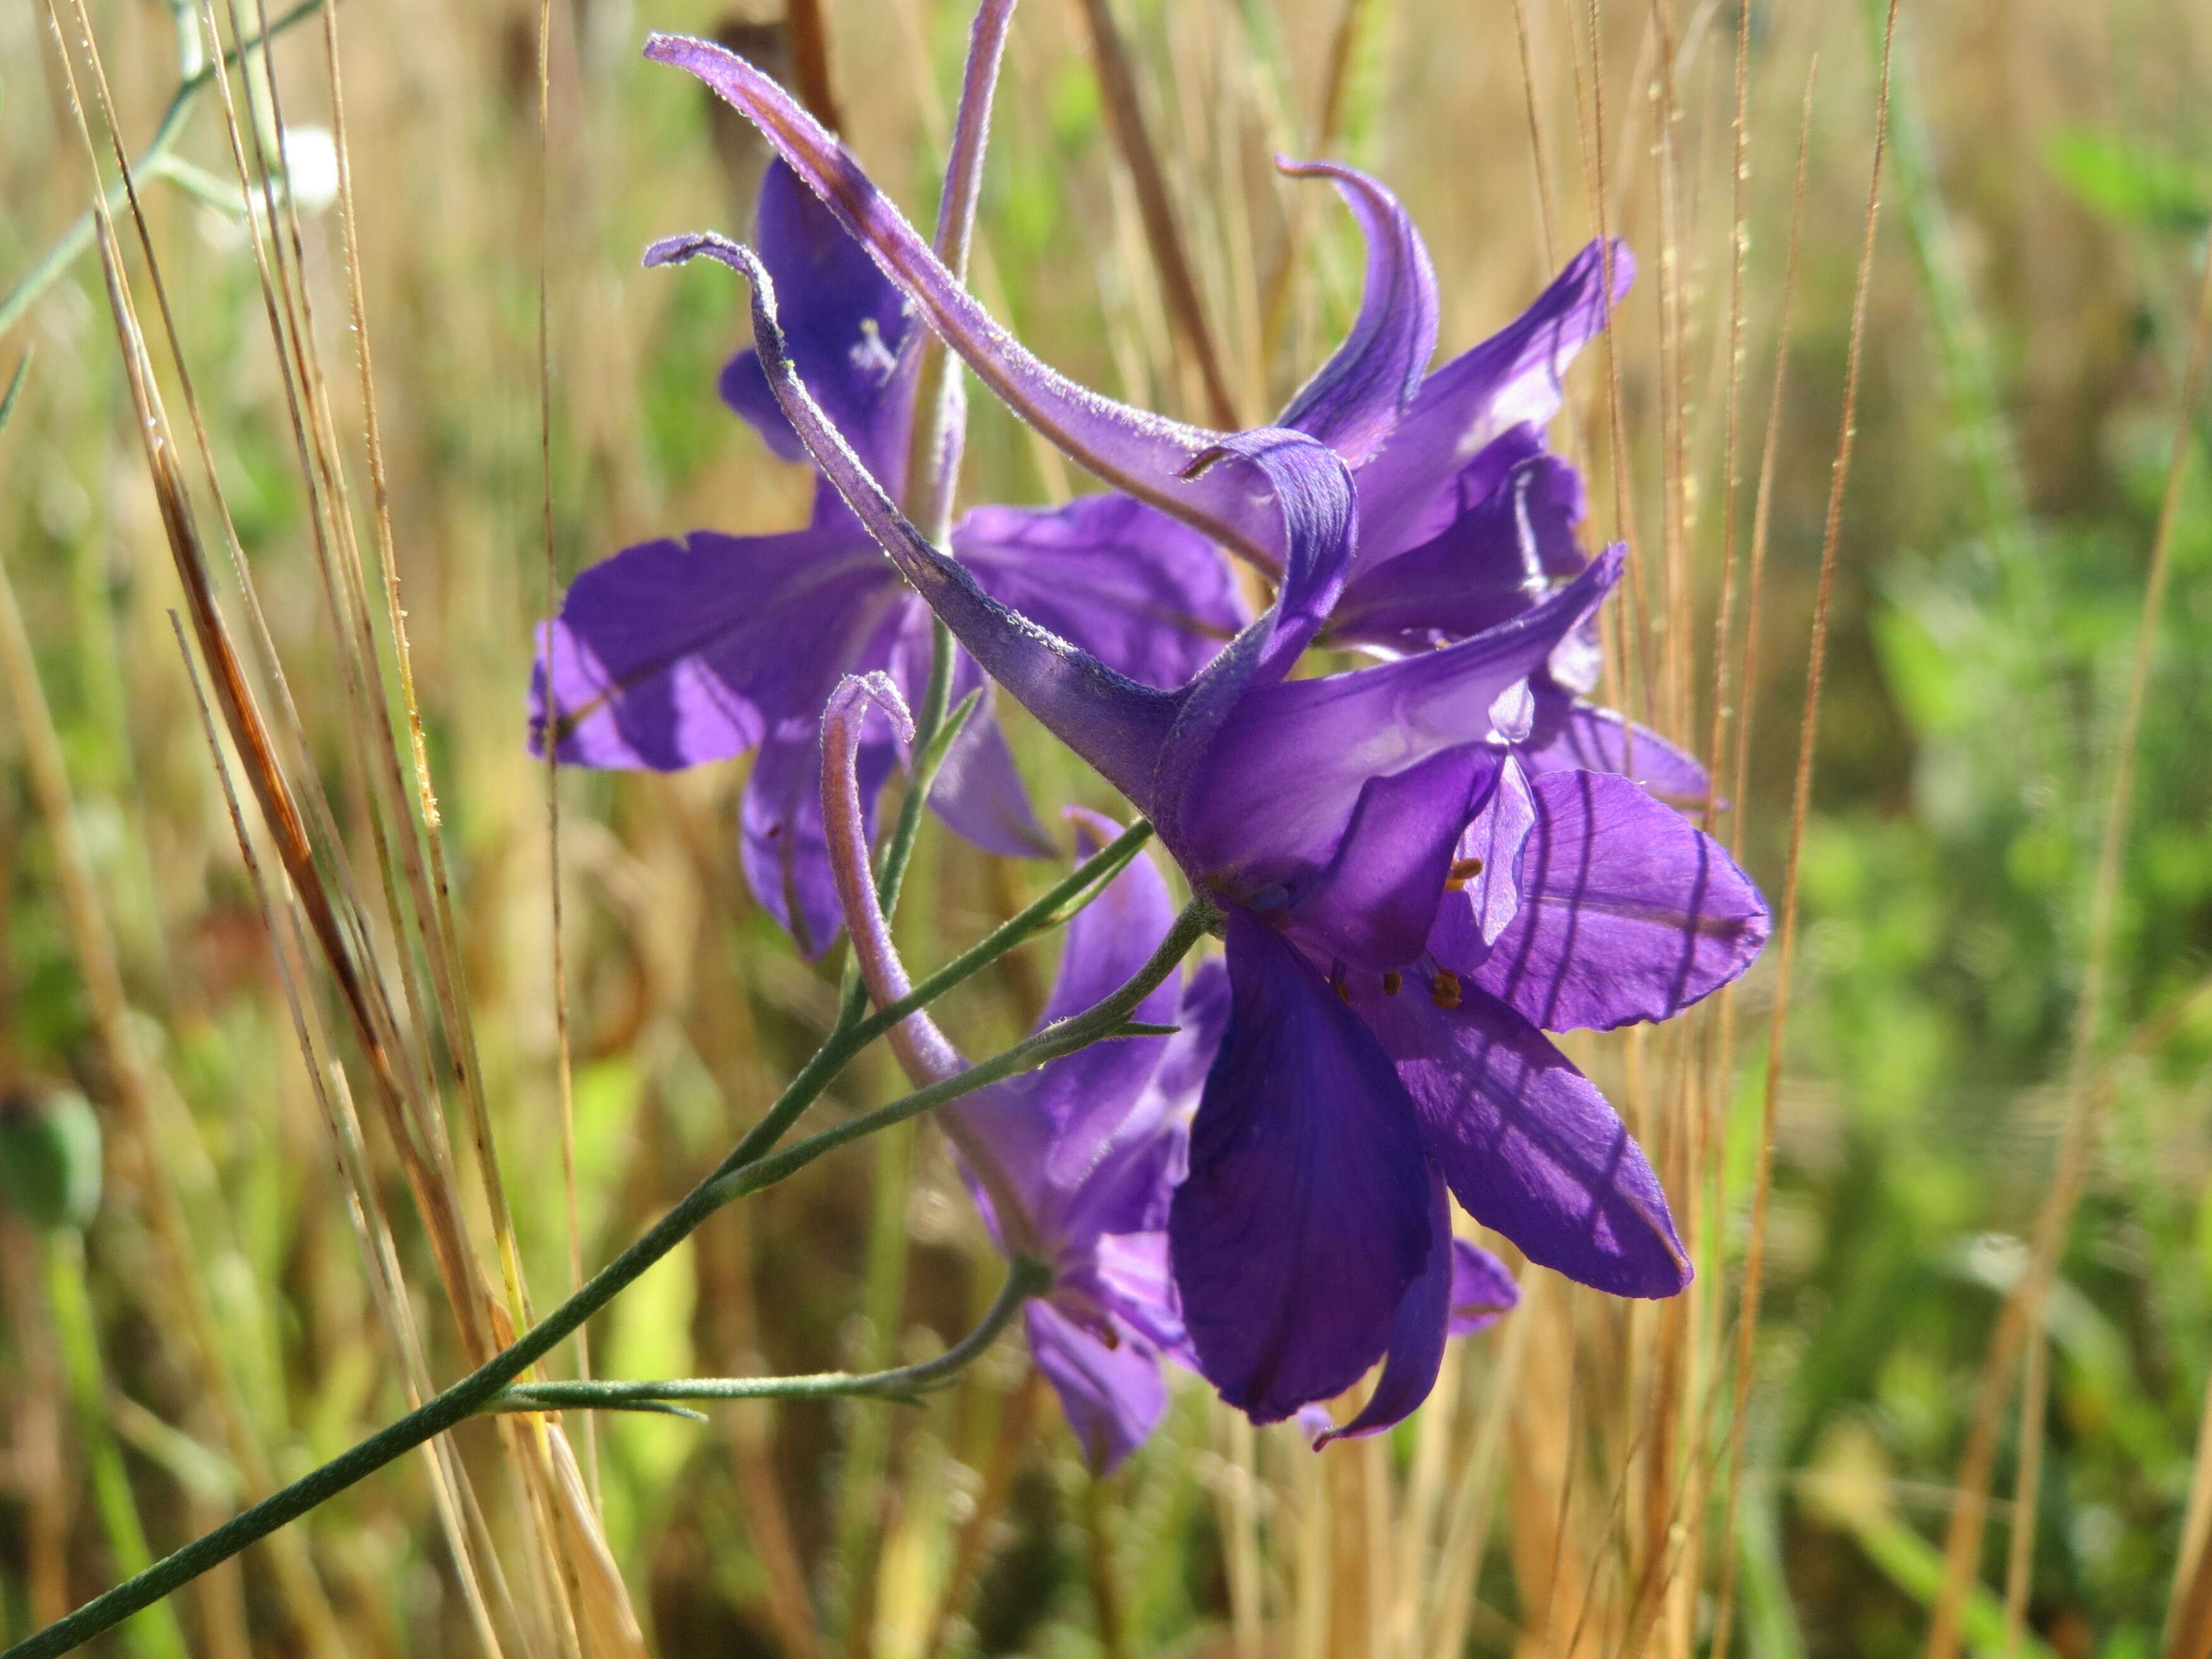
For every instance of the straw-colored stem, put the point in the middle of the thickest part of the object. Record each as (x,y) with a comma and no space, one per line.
(1124,113)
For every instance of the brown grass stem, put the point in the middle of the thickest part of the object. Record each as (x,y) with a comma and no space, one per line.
(1800,802)
(1125,119)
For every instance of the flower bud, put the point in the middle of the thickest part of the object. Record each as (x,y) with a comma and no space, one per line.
(50,1171)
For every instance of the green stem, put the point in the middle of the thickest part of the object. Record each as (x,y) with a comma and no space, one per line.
(78,237)
(739,1174)
(1024,1279)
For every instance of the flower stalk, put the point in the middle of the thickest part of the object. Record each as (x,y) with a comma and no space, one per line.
(749,1167)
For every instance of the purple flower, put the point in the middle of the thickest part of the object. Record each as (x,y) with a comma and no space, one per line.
(1075,1163)
(677,652)
(1071,1165)
(1404,904)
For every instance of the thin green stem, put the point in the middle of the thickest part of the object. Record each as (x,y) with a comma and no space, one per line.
(78,237)
(929,756)
(1025,1278)
(742,1173)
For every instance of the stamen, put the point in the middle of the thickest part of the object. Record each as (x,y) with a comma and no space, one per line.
(1392,979)
(1462,871)
(1443,989)
(1336,981)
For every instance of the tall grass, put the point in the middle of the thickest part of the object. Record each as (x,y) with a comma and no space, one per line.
(391,1035)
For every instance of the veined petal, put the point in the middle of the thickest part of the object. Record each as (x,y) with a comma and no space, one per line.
(1355,400)
(1498,554)
(1511,378)
(1306,1214)
(1627,911)
(675,653)
(1377,901)
(1113,1396)
(1417,1332)
(1134,451)
(1144,593)
(1270,802)
(1528,1145)
(1482,1291)
(1489,852)
(1571,735)
(846,326)
(1120,726)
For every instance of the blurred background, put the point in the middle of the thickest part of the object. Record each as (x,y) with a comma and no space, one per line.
(269,1271)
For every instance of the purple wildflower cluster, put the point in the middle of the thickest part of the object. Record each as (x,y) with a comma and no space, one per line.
(1422,865)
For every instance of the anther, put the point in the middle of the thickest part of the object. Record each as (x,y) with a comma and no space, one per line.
(1443,989)
(1462,871)
(1392,979)
(1336,981)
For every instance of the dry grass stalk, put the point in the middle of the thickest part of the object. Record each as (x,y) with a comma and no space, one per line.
(1125,111)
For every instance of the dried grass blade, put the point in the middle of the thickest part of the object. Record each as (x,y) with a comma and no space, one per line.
(1763,1165)
(370,1231)
(1125,111)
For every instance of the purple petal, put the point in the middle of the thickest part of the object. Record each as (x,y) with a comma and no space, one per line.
(1084,1139)
(846,326)
(1314,490)
(1093,1091)
(1136,1283)
(1306,1214)
(782,841)
(1144,594)
(1417,1332)
(1627,911)
(1528,1145)
(1355,400)
(1113,1396)
(1203,1017)
(1511,378)
(1483,1290)
(979,792)
(1494,839)
(1575,736)
(1272,801)
(1377,901)
(675,653)
(1498,554)
(1136,452)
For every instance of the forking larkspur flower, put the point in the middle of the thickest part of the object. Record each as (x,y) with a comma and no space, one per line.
(1075,1163)
(674,652)
(1403,904)
(1071,1165)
